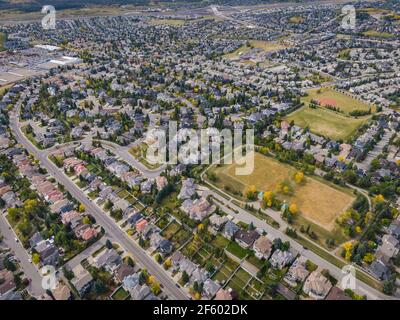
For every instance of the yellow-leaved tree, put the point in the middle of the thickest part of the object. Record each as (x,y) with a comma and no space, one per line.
(293,208)
(379,198)
(299,177)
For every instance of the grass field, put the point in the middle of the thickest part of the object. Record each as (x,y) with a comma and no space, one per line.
(317,201)
(328,96)
(266,46)
(168,22)
(139,152)
(327,123)
(296,19)
(120,294)
(376,34)
(2,40)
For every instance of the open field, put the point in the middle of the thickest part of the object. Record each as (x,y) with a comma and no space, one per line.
(168,22)
(139,153)
(327,96)
(18,15)
(376,34)
(266,46)
(317,201)
(296,19)
(327,123)
(2,40)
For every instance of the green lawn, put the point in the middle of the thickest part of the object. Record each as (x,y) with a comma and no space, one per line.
(236,250)
(327,123)
(376,34)
(2,41)
(120,294)
(172,228)
(255,261)
(328,96)
(220,241)
(243,275)
(266,46)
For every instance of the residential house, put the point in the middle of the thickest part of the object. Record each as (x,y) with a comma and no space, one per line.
(188,189)
(379,270)
(82,281)
(130,281)
(337,294)
(199,275)
(262,247)
(210,288)
(140,292)
(217,222)
(198,209)
(165,247)
(297,272)
(230,229)
(7,284)
(161,182)
(317,286)
(48,252)
(176,258)
(108,259)
(246,238)
(280,259)
(124,270)
(61,292)
(185,265)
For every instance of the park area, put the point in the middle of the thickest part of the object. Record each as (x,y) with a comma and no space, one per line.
(2,41)
(265,46)
(168,22)
(317,201)
(328,123)
(330,97)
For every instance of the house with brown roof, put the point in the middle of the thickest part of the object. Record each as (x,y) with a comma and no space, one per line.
(62,292)
(124,270)
(198,209)
(246,238)
(223,294)
(7,283)
(337,294)
(297,272)
(262,247)
(317,286)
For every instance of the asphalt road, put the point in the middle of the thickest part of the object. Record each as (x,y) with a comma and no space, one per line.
(243,215)
(111,229)
(35,287)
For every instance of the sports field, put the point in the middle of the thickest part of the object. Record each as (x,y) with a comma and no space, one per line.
(376,34)
(2,40)
(169,22)
(328,96)
(316,201)
(266,46)
(327,123)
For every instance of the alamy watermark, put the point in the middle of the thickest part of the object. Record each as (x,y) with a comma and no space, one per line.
(49,280)
(49,20)
(203,146)
(348,280)
(349,17)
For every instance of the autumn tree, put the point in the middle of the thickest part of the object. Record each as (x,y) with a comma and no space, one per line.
(293,208)
(251,192)
(36,258)
(299,177)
